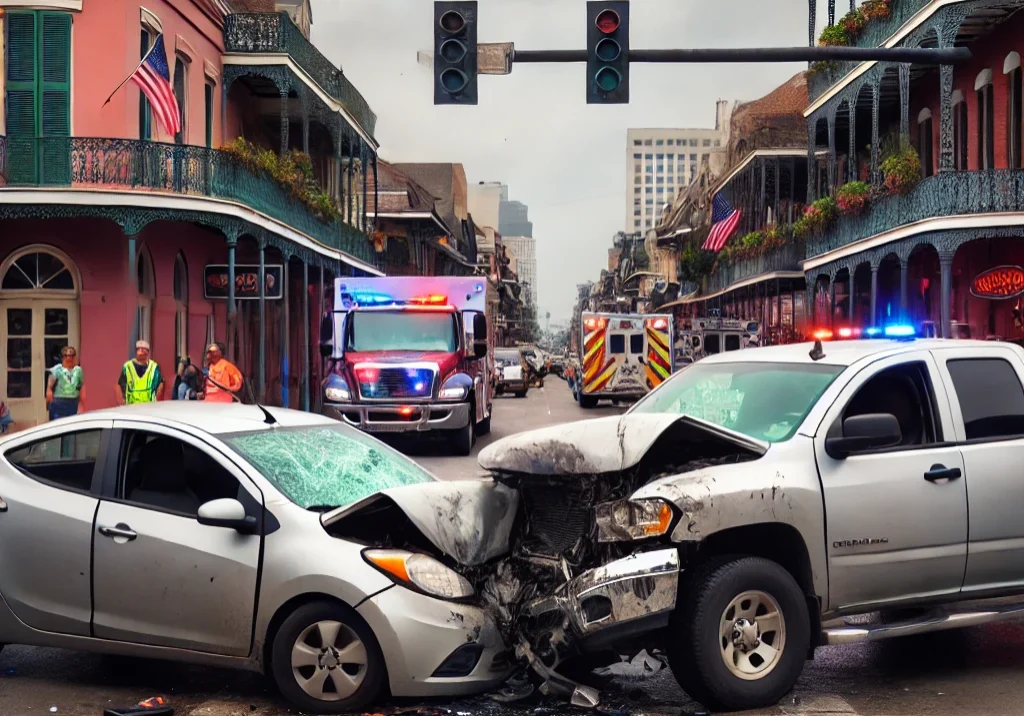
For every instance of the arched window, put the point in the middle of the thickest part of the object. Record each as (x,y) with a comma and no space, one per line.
(181,308)
(924,142)
(1011,68)
(38,271)
(959,132)
(986,121)
(147,294)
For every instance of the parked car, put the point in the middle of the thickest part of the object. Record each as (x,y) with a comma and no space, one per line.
(510,372)
(195,532)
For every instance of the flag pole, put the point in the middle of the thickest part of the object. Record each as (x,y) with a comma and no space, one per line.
(126,79)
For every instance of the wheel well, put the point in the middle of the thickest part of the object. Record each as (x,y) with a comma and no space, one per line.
(282,613)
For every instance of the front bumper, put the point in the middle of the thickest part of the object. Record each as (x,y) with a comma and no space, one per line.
(419,635)
(619,600)
(388,418)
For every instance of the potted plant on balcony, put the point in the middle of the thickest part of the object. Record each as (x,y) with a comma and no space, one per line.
(820,215)
(853,197)
(853,22)
(902,169)
(876,9)
(834,36)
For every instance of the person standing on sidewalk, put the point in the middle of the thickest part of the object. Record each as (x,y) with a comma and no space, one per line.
(65,388)
(140,380)
(223,379)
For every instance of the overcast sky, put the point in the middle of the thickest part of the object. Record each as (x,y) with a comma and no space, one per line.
(533,129)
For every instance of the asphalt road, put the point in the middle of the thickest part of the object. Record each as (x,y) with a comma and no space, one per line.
(973,671)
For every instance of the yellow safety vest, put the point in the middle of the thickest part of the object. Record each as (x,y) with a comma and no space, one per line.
(140,390)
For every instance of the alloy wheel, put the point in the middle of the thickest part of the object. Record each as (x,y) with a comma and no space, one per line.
(329,661)
(752,635)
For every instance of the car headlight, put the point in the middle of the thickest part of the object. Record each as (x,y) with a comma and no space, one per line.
(627,520)
(420,572)
(457,387)
(336,389)
(453,393)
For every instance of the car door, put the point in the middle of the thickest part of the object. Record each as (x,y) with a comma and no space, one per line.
(49,487)
(896,518)
(987,401)
(160,577)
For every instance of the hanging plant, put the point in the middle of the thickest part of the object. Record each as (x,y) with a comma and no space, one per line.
(834,36)
(853,197)
(902,170)
(820,215)
(876,9)
(853,23)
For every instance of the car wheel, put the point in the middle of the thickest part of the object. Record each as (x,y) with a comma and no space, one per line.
(484,426)
(740,634)
(462,439)
(325,659)
(521,394)
(586,402)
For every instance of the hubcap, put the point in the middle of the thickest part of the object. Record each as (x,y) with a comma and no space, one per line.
(329,661)
(752,635)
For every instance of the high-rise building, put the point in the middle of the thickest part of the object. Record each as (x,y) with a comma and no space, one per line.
(659,162)
(490,206)
(524,249)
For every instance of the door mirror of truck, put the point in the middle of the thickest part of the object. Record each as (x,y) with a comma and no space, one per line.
(864,432)
(479,335)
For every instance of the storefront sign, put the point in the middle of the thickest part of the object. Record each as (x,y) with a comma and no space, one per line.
(999,283)
(247,285)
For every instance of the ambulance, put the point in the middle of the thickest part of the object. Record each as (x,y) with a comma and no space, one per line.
(622,356)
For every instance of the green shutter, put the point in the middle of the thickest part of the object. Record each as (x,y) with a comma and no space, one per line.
(208,94)
(55,96)
(22,117)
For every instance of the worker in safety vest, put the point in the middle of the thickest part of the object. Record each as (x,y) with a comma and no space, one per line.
(140,380)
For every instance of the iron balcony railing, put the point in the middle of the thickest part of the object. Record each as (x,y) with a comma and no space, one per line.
(135,165)
(874,34)
(784,258)
(945,194)
(267,32)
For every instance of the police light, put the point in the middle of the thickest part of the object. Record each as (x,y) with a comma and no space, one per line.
(608,52)
(455,53)
(848,332)
(434,300)
(873,332)
(372,299)
(658,324)
(822,334)
(900,331)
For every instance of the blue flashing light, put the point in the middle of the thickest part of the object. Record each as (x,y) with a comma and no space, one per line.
(872,332)
(373,299)
(900,331)
(479,288)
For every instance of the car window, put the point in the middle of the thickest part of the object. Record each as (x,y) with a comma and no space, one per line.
(636,343)
(67,461)
(991,397)
(904,391)
(617,343)
(321,467)
(712,344)
(170,474)
(732,342)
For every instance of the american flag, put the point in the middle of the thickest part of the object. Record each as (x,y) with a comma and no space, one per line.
(153,77)
(724,220)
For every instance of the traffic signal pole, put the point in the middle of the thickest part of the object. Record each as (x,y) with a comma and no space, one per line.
(922,56)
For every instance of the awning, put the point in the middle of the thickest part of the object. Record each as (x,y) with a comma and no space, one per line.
(680,301)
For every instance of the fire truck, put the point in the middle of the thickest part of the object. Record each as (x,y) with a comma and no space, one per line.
(411,355)
(622,356)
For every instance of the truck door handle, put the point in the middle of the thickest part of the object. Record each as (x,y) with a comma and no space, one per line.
(941,472)
(122,530)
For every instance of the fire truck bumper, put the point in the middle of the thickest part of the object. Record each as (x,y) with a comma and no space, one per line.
(401,418)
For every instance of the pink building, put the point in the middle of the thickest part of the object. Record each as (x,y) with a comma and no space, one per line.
(112,230)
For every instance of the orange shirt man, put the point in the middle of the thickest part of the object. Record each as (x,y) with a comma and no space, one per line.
(223,380)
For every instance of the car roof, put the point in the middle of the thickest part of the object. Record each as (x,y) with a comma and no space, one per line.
(843,353)
(212,418)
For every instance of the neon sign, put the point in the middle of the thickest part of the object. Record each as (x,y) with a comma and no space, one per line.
(999,283)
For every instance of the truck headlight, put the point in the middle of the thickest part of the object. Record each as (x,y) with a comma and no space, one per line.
(337,390)
(420,572)
(457,393)
(457,387)
(627,520)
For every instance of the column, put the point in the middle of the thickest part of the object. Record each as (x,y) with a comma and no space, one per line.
(305,335)
(133,291)
(946,271)
(851,154)
(350,182)
(904,300)
(831,12)
(762,209)
(261,368)
(339,186)
(285,143)
(831,302)
(812,173)
(225,85)
(905,101)
(853,295)
(812,11)
(946,118)
(365,172)
(285,363)
(305,123)
(778,302)
(874,295)
(232,314)
(831,154)
(876,93)
(811,307)
(319,320)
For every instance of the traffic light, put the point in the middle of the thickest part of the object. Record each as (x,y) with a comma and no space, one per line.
(608,52)
(455,48)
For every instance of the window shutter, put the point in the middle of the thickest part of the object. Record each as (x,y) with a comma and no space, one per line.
(22,119)
(55,96)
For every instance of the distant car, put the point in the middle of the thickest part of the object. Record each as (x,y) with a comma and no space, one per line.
(201,533)
(510,372)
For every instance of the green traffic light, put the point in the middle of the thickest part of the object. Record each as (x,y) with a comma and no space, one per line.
(454,80)
(608,50)
(608,79)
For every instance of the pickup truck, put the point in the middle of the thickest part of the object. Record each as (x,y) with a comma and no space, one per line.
(744,511)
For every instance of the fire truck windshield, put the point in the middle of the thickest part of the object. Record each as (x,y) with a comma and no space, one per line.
(401,331)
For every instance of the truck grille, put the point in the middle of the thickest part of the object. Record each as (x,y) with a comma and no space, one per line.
(394,383)
(558,514)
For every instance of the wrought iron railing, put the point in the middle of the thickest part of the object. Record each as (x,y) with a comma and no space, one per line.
(135,165)
(945,194)
(784,258)
(874,34)
(268,32)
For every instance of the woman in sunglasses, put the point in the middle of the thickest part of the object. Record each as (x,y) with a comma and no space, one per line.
(65,388)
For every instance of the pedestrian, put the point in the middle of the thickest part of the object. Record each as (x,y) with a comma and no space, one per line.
(189,382)
(140,380)
(65,387)
(223,379)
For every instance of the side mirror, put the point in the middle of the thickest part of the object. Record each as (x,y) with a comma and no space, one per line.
(479,335)
(864,432)
(228,513)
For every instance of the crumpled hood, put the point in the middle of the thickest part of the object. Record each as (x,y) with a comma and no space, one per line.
(598,446)
(469,520)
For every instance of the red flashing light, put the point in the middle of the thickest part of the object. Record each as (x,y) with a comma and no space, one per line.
(822,334)
(659,324)
(368,375)
(608,21)
(433,300)
(602,323)
(846,333)
(591,323)
(405,412)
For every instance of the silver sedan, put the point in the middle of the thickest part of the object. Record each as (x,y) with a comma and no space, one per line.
(194,532)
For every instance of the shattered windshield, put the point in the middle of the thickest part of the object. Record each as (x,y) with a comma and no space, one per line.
(766,401)
(321,467)
(402,331)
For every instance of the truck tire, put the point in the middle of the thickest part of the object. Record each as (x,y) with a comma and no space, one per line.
(462,439)
(521,394)
(587,402)
(484,426)
(720,650)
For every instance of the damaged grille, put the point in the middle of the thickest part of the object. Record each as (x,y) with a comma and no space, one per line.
(559,515)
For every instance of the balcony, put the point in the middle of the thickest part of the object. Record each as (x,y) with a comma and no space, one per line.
(140,166)
(874,34)
(942,195)
(275,33)
(785,258)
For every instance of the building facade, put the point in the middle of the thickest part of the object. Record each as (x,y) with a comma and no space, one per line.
(232,230)
(524,253)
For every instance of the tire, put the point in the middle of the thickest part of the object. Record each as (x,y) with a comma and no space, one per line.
(484,426)
(587,402)
(521,394)
(696,653)
(307,625)
(462,439)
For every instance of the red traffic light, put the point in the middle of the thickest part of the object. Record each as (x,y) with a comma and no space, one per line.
(453,22)
(608,21)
